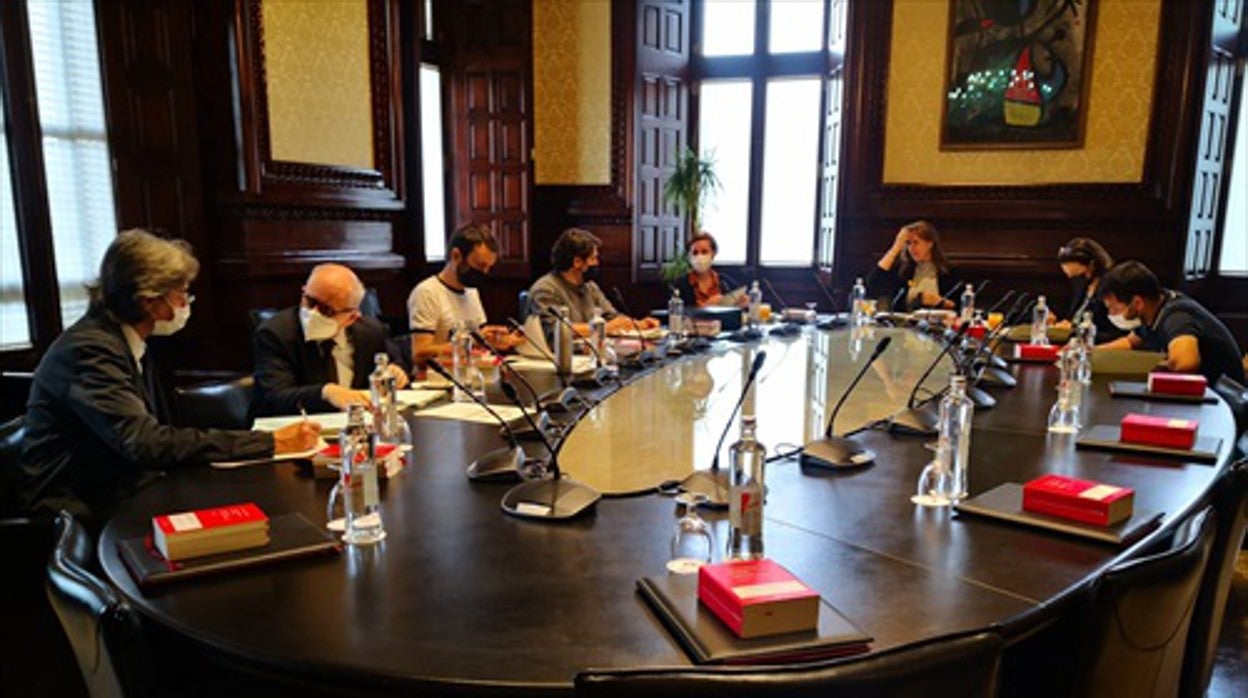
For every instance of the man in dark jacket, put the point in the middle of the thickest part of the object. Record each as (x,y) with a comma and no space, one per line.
(96,427)
(318,355)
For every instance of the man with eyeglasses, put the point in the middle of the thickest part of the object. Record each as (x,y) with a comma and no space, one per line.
(317,356)
(97,426)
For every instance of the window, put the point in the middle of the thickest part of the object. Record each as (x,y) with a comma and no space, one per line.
(1234,258)
(75,170)
(765,73)
(431,159)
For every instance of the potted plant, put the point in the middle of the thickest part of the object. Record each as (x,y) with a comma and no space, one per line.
(688,186)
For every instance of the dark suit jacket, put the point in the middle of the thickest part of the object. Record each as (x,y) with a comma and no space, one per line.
(95,430)
(291,371)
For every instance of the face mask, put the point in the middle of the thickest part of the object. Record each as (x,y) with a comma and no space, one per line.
(590,274)
(316,327)
(701,262)
(164,328)
(1122,323)
(470,277)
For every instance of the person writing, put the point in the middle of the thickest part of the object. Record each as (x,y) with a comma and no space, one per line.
(1159,319)
(318,355)
(917,263)
(572,284)
(703,286)
(97,425)
(1084,262)
(449,300)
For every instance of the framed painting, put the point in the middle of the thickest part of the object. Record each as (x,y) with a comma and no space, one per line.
(1017,74)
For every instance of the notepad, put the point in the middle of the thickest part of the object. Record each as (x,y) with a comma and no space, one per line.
(1124,362)
(418,398)
(471,412)
(329,421)
(299,455)
(580,364)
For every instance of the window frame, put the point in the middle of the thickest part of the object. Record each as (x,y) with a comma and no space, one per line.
(760,67)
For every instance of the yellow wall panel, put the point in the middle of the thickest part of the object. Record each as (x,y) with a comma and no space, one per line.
(572,91)
(1119,104)
(317,72)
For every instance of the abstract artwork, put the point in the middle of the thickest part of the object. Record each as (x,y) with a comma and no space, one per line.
(1017,74)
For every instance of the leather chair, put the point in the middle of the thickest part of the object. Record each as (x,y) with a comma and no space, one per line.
(11,434)
(259,315)
(101,628)
(1230,507)
(1141,611)
(963,665)
(1236,397)
(216,405)
(523,309)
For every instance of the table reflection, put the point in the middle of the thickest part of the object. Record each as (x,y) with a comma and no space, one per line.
(664,425)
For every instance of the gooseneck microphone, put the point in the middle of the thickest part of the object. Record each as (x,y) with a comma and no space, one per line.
(562,401)
(711,482)
(544,420)
(552,499)
(645,354)
(826,293)
(840,451)
(596,379)
(510,391)
(898,297)
(499,464)
(785,329)
(920,418)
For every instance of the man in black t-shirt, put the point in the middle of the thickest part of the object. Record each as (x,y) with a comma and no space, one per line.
(1158,319)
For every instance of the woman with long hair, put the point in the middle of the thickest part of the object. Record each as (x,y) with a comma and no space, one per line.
(917,262)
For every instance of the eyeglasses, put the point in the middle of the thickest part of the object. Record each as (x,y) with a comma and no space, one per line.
(325,308)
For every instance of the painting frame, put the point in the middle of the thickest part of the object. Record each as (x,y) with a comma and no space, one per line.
(1017,74)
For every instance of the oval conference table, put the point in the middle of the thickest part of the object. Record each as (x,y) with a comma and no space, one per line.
(462,596)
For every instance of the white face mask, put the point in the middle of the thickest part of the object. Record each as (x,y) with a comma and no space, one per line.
(1121,322)
(164,328)
(316,327)
(701,262)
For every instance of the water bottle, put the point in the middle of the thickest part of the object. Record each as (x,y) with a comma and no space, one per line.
(745,504)
(461,362)
(956,410)
(968,304)
(391,428)
(361,502)
(1040,323)
(1087,338)
(598,336)
(756,303)
(676,316)
(856,297)
(1064,415)
(562,341)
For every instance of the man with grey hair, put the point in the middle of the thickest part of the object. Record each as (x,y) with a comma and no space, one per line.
(317,355)
(97,427)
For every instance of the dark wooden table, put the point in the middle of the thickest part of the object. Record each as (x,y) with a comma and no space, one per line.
(461,595)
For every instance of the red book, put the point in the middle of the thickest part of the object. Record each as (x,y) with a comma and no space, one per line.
(328,460)
(1158,431)
(1177,384)
(207,531)
(1079,500)
(1036,352)
(756,598)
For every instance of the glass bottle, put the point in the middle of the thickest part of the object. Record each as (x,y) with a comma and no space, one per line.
(461,362)
(1064,415)
(756,304)
(1087,340)
(745,503)
(1040,323)
(968,304)
(856,297)
(361,501)
(676,316)
(956,410)
(598,337)
(391,427)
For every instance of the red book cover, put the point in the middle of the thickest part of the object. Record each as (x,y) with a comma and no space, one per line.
(217,518)
(1151,430)
(1036,352)
(756,598)
(1177,383)
(334,452)
(1079,500)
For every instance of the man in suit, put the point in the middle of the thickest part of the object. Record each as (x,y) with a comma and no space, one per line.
(318,355)
(96,426)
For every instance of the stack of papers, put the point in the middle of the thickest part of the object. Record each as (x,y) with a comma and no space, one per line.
(472,412)
(420,397)
(329,421)
(580,364)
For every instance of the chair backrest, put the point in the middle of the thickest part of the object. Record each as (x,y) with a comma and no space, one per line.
(11,434)
(101,628)
(523,310)
(216,405)
(963,665)
(259,315)
(1141,612)
(1236,397)
(1230,506)
(14,391)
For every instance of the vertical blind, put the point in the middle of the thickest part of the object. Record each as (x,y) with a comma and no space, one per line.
(75,144)
(14,329)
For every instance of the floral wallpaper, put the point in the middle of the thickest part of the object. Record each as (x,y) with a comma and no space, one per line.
(572,91)
(1124,58)
(317,72)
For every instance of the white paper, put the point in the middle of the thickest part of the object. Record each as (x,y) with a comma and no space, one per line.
(329,421)
(419,397)
(580,364)
(471,412)
(298,455)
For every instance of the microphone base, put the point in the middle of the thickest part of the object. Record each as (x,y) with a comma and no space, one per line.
(500,465)
(786,330)
(920,421)
(745,335)
(712,483)
(836,453)
(556,499)
(993,376)
(981,398)
(998,362)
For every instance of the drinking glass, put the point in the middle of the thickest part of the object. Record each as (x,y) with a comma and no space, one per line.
(693,544)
